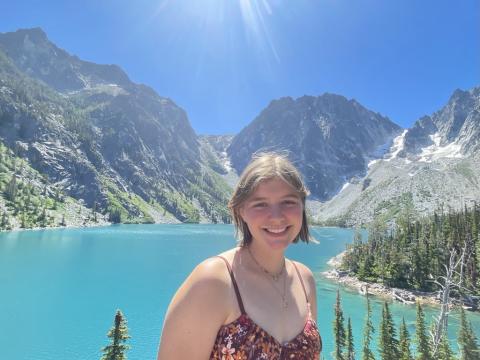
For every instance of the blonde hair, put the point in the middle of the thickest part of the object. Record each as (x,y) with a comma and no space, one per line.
(266,166)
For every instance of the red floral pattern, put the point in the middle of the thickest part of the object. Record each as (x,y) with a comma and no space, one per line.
(243,339)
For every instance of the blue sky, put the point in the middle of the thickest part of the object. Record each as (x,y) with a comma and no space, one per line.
(223,61)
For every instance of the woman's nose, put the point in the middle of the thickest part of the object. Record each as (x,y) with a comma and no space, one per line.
(276,211)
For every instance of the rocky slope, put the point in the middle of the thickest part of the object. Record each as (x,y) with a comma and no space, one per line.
(434,164)
(328,137)
(103,138)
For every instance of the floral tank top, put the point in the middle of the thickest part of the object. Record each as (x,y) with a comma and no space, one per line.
(243,339)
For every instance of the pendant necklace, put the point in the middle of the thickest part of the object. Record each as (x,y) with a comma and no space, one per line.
(274,278)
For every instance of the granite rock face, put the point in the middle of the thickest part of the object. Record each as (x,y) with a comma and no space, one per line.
(433,165)
(329,138)
(89,127)
(457,123)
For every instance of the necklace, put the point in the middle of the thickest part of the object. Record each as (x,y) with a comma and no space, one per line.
(273,278)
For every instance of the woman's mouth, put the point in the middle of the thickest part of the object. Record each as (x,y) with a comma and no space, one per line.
(276,230)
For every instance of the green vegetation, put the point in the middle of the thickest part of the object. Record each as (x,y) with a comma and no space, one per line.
(421,338)
(118,334)
(340,336)
(465,170)
(412,252)
(404,343)
(27,198)
(391,348)
(467,340)
(388,343)
(368,331)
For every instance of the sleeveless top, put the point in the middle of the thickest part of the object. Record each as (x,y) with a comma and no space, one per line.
(243,339)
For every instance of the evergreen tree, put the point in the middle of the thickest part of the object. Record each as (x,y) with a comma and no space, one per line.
(423,344)
(63,222)
(339,330)
(404,343)
(467,340)
(115,215)
(388,343)
(444,351)
(119,335)
(350,354)
(368,331)
(12,187)
(94,211)
(5,223)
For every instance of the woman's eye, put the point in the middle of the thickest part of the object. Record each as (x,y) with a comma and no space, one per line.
(259,205)
(290,202)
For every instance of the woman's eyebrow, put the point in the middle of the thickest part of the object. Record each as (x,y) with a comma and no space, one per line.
(258,198)
(262,198)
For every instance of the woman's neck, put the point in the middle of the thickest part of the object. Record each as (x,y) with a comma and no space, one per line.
(271,260)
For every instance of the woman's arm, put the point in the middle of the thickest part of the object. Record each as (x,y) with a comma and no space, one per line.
(197,311)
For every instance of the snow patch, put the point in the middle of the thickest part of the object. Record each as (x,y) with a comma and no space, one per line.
(436,151)
(398,145)
(226,161)
(373,162)
(344,186)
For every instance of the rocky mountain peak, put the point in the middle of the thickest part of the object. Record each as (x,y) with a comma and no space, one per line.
(33,53)
(329,137)
(116,145)
(456,124)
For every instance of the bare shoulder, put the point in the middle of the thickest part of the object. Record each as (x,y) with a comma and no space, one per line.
(201,302)
(208,281)
(305,272)
(310,285)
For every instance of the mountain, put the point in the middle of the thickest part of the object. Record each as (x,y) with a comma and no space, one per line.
(115,144)
(77,135)
(434,164)
(330,138)
(454,128)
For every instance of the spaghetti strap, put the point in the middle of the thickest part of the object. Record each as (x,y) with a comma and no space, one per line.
(235,286)
(301,281)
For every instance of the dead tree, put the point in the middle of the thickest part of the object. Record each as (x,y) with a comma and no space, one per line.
(447,283)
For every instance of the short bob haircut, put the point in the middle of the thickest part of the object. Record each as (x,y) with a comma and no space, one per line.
(266,166)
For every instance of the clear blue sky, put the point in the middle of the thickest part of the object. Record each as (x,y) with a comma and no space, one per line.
(223,61)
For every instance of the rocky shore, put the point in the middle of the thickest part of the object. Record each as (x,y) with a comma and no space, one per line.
(405,296)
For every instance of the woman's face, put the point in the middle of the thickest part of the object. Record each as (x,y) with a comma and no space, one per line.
(273,213)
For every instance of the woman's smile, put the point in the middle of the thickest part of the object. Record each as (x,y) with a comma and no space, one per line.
(273,213)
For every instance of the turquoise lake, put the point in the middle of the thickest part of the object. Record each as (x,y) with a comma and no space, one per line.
(59,289)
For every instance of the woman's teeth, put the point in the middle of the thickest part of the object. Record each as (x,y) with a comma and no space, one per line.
(276,231)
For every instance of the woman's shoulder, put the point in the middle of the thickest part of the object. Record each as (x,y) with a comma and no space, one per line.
(303,269)
(213,272)
(306,275)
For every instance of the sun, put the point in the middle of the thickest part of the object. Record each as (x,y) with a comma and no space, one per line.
(250,17)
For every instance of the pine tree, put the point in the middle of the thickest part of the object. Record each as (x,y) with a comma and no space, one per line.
(350,347)
(12,187)
(119,335)
(368,331)
(404,343)
(94,211)
(4,223)
(339,330)
(444,351)
(467,340)
(423,344)
(388,343)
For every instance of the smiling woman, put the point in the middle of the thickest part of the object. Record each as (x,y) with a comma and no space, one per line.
(251,302)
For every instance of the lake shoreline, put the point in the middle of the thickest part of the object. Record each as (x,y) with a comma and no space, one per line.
(408,297)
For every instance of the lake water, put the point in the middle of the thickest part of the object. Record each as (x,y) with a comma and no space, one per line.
(59,289)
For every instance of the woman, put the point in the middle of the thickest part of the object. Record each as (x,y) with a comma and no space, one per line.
(251,302)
